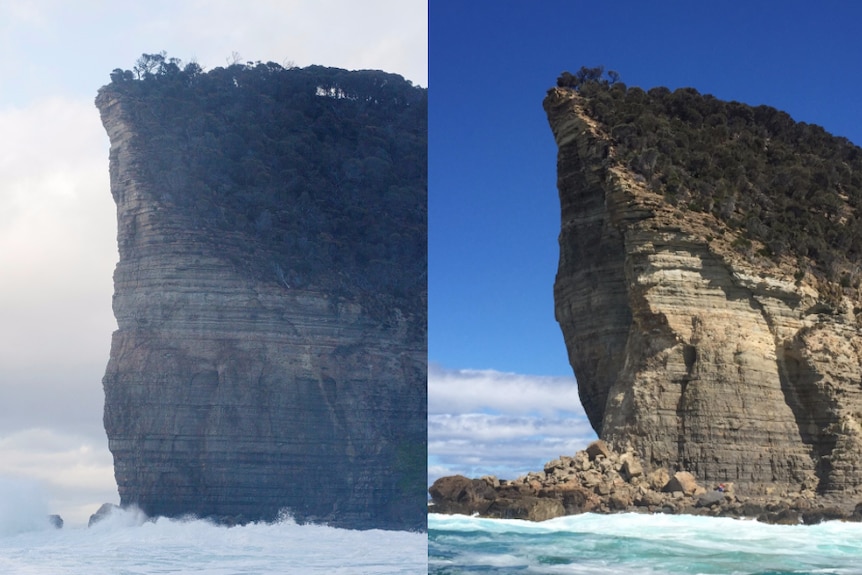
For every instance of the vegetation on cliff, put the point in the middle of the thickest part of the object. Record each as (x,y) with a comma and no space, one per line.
(787,188)
(301,166)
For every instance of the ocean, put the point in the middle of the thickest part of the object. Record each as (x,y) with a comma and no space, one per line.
(128,543)
(636,544)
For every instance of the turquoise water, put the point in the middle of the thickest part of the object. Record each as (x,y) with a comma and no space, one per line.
(640,544)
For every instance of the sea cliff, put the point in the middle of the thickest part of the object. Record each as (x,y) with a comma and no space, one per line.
(708,292)
(270,355)
(691,344)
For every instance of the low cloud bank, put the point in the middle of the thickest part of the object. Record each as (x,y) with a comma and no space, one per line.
(486,422)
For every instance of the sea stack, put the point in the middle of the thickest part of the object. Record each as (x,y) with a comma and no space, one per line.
(708,287)
(270,294)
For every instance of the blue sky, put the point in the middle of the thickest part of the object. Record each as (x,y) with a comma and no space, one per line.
(57,219)
(493,208)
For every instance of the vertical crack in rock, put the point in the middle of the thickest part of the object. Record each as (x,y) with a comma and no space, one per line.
(814,410)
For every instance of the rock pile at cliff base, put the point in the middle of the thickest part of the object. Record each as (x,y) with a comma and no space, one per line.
(600,480)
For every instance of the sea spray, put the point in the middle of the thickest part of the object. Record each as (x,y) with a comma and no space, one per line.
(640,544)
(23,507)
(128,542)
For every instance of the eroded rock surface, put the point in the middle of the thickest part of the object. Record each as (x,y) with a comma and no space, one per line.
(733,368)
(243,381)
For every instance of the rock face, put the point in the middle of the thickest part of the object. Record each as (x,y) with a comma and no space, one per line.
(736,369)
(237,395)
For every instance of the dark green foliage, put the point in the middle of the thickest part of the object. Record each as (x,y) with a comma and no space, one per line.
(318,173)
(587,75)
(789,185)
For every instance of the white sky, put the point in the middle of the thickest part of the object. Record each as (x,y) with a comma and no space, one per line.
(57,226)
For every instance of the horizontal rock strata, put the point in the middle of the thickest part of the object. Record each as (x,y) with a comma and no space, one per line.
(736,369)
(234,390)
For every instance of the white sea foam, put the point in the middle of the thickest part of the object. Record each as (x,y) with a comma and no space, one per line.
(641,544)
(127,542)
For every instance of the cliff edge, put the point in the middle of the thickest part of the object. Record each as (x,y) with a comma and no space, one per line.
(270,295)
(709,301)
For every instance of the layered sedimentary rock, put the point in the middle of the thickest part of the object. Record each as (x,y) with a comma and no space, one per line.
(250,375)
(734,367)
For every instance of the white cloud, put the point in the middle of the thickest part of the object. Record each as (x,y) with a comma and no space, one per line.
(485,427)
(456,391)
(57,235)
(378,34)
(505,424)
(74,472)
(37,34)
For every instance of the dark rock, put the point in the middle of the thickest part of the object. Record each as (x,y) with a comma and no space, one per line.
(102,513)
(709,499)
(577,500)
(458,494)
(529,508)
(752,509)
(56,521)
(270,296)
(815,516)
(785,516)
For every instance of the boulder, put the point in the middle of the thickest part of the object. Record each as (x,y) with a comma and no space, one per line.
(527,507)
(784,516)
(658,478)
(458,494)
(102,513)
(576,499)
(709,499)
(649,498)
(620,500)
(597,448)
(591,478)
(545,508)
(630,466)
(681,481)
(491,480)
(815,516)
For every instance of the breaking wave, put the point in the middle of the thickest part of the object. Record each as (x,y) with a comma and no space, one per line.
(641,545)
(128,542)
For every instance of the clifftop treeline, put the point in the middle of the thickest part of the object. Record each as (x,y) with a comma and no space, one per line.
(790,189)
(302,163)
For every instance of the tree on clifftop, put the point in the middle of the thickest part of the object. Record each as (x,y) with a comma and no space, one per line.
(586,75)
